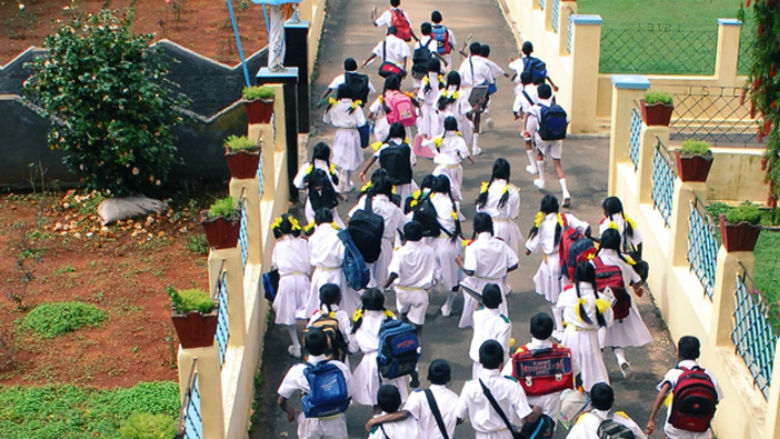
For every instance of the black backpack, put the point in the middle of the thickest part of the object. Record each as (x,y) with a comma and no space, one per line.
(322,194)
(395,159)
(366,229)
(609,429)
(425,213)
(552,122)
(421,58)
(358,85)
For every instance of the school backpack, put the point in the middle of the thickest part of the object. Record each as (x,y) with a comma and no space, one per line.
(537,68)
(399,108)
(425,213)
(552,122)
(611,276)
(354,266)
(694,402)
(395,159)
(322,194)
(358,85)
(366,229)
(543,371)
(421,59)
(401,24)
(572,249)
(271,284)
(337,345)
(328,393)
(609,429)
(543,428)
(442,37)
(398,343)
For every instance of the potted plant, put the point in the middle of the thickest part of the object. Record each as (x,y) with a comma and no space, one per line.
(694,160)
(656,108)
(740,226)
(242,155)
(221,223)
(259,103)
(194,316)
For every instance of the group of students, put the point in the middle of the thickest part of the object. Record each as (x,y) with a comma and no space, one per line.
(416,249)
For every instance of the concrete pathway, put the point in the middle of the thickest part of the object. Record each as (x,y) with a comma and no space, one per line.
(348,32)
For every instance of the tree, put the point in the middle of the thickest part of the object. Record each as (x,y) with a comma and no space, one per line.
(112,107)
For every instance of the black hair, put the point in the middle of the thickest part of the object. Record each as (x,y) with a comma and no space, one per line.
(381,185)
(344,92)
(482,223)
(395,3)
(491,296)
(602,396)
(427,181)
(688,348)
(322,216)
(392,82)
(413,231)
(442,185)
(544,91)
(610,240)
(350,64)
(315,341)
(485,50)
(501,171)
(526,77)
(330,294)
(475,48)
(450,123)
(453,79)
(436,17)
(612,206)
(286,227)
(541,326)
(439,372)
(425,28)
(491,354)
(584,272)
(372,299)
(527,48)
(549,204)
(388,398)
(321,151)
(433,66)
(392,30)
(397,131)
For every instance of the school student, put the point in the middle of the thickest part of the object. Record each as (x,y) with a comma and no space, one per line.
(687,352)
(350,71)
(389,401)
(604,418)
(445,39)
(475,405)
(412,274)
(391,49)
(428,124)
(330,301)
(319,177)
(495,72)
(446,245)
(474,71)
(552,148)
(448,151)
(628,330)
(328,427)
(615,218)
(545,235)
(525,98)
(501,200)
(452,101)
(377,111)
(346,116)
(486,259)
(396,157)
(394,16)
(327,258)
(522,64)
(489,324)
(291,257)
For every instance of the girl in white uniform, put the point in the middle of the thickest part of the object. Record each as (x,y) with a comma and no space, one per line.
(365,337)
(399,177)
(631,330)
(446,244)
(453,101)
(330,298)
(501,200)
(585,311)
(545,235)
(428,124)
(448,151)
(346,116)
(630,239)
(377,112)
(291,257)
(320,159)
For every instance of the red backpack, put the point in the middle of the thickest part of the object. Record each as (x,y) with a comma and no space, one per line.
(401,24)
(694,402)
(611,276)
(573,248)
(400,108)
(543,371)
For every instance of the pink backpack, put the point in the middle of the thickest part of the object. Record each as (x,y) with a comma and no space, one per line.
(400,108)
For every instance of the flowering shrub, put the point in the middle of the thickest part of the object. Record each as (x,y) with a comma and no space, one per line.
(112,106)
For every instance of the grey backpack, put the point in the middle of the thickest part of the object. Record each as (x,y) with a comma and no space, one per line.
(609,429)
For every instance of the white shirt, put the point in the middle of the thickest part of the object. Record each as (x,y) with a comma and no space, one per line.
(545,237)
(396,50)
(549,403)
(671,377)
(338,80)
(404,429)
(296,380)
(480,75)
(431,96)
(634,240)
(452,150)
(386,18)
(535,115)
(511,209)
(569,302)
(339,115)
(474,405)
(291,256)
(415,264)
(444,210)
(588,424)
(326,247)
(304,171)
(393,215)
(488,257)
(521,104)
(490,324)
(366,338)
(446,400)
(493,68)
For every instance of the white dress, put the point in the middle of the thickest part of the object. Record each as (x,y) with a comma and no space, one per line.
(620,223)
(458,109)
(327,258)
(489,324)
(291,257)
(346,150)
(504,225)
(428,122)
(298,182)
(451,150)
(403,190)
(394,221)
(631,330)
(446,248)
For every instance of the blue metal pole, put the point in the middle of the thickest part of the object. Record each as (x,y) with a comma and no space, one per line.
(238,43)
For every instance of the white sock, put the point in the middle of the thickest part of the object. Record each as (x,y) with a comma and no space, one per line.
(558,315)
(450,298)
(540,169)
(531,158)
(620,355)
(564,189)
(475,141)
(293,331)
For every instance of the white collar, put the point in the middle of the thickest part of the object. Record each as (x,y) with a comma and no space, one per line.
(314,359)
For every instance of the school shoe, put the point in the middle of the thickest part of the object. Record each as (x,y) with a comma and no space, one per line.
(539,183)
(558,335)
(476,151)
(446,312)
(294,351)
(414,382)
(531,170)
(625,369)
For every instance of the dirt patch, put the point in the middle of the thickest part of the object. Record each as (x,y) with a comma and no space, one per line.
(200,25)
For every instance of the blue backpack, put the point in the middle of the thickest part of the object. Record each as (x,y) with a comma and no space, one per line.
(552,122)
(271,284)
(328,393)
(398,343)
(537,68)
(355,269)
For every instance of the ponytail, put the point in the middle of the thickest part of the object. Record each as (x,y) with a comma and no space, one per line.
(580,307)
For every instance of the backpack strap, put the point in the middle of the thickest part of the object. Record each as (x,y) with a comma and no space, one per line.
(530,101)
(498,409)
(436,413)
(384,50)
(384,433)
(471,63)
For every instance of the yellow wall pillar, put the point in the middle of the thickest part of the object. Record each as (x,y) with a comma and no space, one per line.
(585,44)
(534,4)
(566,8)
(772,427)
(723,292)
(684,194)
(251,197)
(625,90)
(234,282)
(648,139)
(728,51)
(209,387)
(548,11)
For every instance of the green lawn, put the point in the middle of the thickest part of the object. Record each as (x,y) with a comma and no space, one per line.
(767,271)
(661,36)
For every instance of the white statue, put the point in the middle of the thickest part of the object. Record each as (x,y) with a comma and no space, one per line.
(276,44)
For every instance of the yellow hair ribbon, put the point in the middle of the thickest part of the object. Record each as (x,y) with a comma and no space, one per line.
(332,168)
(389,314)
(455,95)
(454,215)
(483,187)
(560,219)
(580,302)
(366,186)
(381,99)
(356,104)
(331,101)
(630,222)
(613,225)
(406,140)
(308,227)
(334,225)
(277,223)
(602,305)
(410,94)
(426,80)
(511,342)
(310,168)
(437,141)
(376,145)
(294,223)
(629,259)
(506,189)
(392,189)
(357,314)
(413,202)
(416,194)
(441,79)
(459,133)
(538,219)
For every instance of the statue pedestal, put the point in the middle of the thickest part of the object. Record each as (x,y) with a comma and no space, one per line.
(296,36)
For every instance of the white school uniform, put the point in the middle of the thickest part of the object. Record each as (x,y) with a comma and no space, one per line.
(447,157)
(416,267)
(671,377)
(526,96)
(553,148)
(418,406)
(429,43)
(517,67)
(458,109)
(504,225)
(428,122)
(395,50)
(346,151)
(327,258)
(381,127)
(447,57)
(582,337)
(366,376)
(588,424)
(549,403)
(386,18)
(489,258)
(444,246)
(489,324)
(494,69)
(291,257)
(338,314)
(403,429)
(633,241)
(479,75)
(631,330)
(338,80)
(299,183)
(474,405)
(394,220)
(547,278)
(403,190)
(331,427)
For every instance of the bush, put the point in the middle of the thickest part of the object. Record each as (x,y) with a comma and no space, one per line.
(695,147)
(198,244)
(240,143)
(746,211)
(223,207)
(112,105)
(148,426)
(193,299)
(258,92)
(655,97)
(49,320)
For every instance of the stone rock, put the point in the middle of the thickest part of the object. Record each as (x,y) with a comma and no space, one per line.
(115,209)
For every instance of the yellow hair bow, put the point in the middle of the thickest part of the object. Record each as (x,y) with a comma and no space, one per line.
(456,95)
(560,219)
(416,194)
(392,189)
(310,168)
(426,80)
(437,141)
(376,145)
(357,314)
(334,225)
(294,223)
(459,133)
(506,189)
(406,140)
(356,104)
(440,78)
(308,227)
(602,305)
(630,222)
(483,187)
(366,186)
(277,223)
(331,101)
(332,168)
(454,215)
(577,310)
(389,314)
(413,203)
(381,99)
(613,225)
(629,259)
(538,219)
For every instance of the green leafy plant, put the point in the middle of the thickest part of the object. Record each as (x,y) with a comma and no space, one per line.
(198,244)
(223,207)
(48,320)
(193,299)
(656,97)
(258,92)
(746,211)
(694,147)
(240,143)
(148,426)
(112,106)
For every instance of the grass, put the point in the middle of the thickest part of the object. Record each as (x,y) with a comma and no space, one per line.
(49,320)
(76,412)
(767,270)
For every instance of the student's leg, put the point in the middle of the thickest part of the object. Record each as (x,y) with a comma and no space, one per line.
(446,309)
(539,182)
(529,151)
(475,149)
(295,348)
(555,154)
(623,364)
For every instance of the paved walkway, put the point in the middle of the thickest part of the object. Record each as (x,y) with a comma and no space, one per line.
(348,32)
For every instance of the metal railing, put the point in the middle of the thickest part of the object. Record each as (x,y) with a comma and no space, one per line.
(702,246)
(555,6)
(242,238)
(190,425)
(633,140)
(541,4)
(570,32)
(664,174)
(223,328)
(747,39)
(260,173)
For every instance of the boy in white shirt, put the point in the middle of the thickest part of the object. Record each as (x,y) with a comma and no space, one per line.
(525,98)
(389,401)
(391,49)
(444,37)
(474,71)
(601,418)
(489,324)
(386,19)
(350,68)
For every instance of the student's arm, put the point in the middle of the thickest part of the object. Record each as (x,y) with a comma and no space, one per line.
(370,58)
(459,261)
(291,413)
(390,417)
(390,280)
(659,399)
(365,170)
(552,84)
(536,411)
(512,268)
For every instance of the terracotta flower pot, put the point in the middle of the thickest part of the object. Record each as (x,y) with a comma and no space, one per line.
(220,232)
(195,330)
(259,110)
(656,114)
(693,167)
(739,237)
(243,163)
